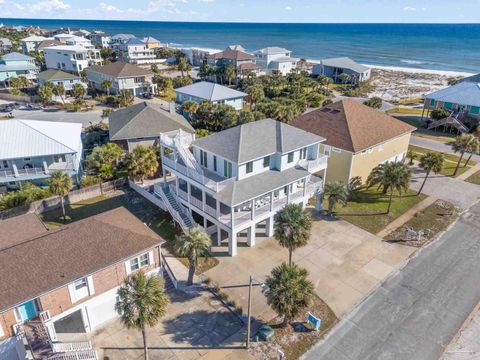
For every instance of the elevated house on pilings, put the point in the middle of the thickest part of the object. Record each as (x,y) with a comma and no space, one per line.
(462,100)
(236,180)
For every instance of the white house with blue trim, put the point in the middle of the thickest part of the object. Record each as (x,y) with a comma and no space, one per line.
(215,93)
(31,150)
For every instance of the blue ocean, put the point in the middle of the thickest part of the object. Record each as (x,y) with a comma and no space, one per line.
(454,47)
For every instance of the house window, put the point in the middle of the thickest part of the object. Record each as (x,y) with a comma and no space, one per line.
(80,284)
(203,158)
(214,163)
(59,158)
(249,167)
(285,189)
(326,150)
(303,153)
(5,164)
(81,288)
(227,169)
(26,159)
(266,161)
(139,262)
(290,157)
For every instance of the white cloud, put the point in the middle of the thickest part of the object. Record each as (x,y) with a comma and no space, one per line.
(288,8)
(48,6)
(207,1)
(409,8)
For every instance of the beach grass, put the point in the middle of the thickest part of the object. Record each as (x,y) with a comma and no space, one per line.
(474,179)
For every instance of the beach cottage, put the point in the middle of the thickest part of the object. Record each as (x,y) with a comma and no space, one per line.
(213,92)
(15,64)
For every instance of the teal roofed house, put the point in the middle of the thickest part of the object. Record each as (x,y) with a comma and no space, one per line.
(463,102)
(15,64)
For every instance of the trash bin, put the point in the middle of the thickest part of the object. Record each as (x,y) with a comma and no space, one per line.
(265,333)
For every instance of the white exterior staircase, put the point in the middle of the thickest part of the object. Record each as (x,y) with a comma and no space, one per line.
(454,120)
(175,208)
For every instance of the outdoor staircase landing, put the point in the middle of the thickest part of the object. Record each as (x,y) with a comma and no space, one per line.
(37,337)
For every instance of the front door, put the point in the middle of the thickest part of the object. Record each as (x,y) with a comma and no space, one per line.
(27,310)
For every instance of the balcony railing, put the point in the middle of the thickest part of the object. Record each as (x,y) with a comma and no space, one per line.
(314,165)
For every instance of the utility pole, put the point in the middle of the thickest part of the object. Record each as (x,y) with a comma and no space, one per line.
(249,310)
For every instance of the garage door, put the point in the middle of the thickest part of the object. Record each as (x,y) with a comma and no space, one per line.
(101,312)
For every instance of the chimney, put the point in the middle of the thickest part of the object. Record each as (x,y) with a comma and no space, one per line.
(172,107)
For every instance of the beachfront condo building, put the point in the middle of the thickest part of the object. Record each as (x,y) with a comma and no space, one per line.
(236,180)
(358,138)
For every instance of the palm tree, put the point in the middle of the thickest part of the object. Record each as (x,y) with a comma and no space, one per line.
(230,74)
(390,176)
(431,161)
(289,291)
(78,92)
(183,65)
(192,246)
(255,93)
(141,302)
(125,97)
(60,184)
(142,162)
(344,78)
(462,144)
(473,148)
(292,228)
(190,107)
(411,155)
(106,85)
(59,90)
(324,81)
(336,193)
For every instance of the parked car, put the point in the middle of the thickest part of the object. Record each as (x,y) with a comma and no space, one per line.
(6,108)
(33,107)
(148,95)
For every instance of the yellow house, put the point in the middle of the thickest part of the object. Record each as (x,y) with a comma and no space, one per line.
(151,42)
(358,138)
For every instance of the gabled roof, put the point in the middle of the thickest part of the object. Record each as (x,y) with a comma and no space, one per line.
(15,56)
(58,257)
(144,120)
(34,38)
(17,229)
(232,55)
(122,36)
(54,74)
(48,43)
(210,91)
(465,92)
(119,69)
(135,41)
(255,140)
(29,138)
(272,50)
(352,126)
(150,39)
(74,48)
(345,63)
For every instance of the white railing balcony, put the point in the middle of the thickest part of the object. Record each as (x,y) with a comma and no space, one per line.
(31,171)
(315,165)
(196,202)
(60,347)
(210,211)
(77,355)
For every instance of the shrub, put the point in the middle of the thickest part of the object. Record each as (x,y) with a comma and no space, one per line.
(374,102)
(91,180)
(28,194)
(440,113)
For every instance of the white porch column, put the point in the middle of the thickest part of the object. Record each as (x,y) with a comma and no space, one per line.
(271,201)
(304,187)
(219,236)
(288,194)
(177,184)
(251,233)
(204,200)
(269,226)
(189,192)
(218,209)
(232,243)
(252,209)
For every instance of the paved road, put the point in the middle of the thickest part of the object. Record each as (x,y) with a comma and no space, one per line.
(416,313)
(435,145)
(85,118)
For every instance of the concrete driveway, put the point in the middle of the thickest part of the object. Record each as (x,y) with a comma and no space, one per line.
(436,145)
(455,191)
(344,262)
(84,118)
(197,326)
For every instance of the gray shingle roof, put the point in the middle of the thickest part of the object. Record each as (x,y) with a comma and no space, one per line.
(119,69)
(240,191)
(54,74)
(144,120)
(466,92)
(346,63)
(15,56)
(255,140)
(210,91)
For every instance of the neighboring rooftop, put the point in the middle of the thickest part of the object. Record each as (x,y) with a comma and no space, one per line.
(75,48)
(465,92)
(255,140)
(210,91)
(272,50)
(232,55)
(135,41)
(29,138)
(58,257)
(144,120)
(352,126)
(48,43)
(15,56)
(122,36)
(150,39)
(20,228)
(345,63)
(120,69)
(54,74)
(34,38)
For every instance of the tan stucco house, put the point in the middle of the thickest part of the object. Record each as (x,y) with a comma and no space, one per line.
(358,138)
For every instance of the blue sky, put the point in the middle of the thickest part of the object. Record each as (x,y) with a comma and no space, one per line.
(317,11)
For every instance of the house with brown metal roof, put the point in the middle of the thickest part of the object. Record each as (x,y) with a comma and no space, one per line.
(63,281)
(124,76)
(232,56)
(358,138)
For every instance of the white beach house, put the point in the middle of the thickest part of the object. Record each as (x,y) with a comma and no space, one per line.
(239,178)
(135,51)
(275,59)
(71,58)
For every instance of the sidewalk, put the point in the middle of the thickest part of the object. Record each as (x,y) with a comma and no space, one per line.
(469,172)
(395,224)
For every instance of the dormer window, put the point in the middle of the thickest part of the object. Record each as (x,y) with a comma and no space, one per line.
(203,158)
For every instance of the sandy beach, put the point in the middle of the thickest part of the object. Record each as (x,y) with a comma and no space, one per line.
(397,83)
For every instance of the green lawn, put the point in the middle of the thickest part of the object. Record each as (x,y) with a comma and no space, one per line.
(368,209)
(158,220)
(432,220)
(425,133)
(474,179)
(450,161)
(405,110)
